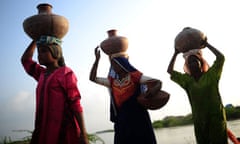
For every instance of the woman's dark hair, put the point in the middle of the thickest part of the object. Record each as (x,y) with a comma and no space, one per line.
(56,51)
(194,62)
(61,62)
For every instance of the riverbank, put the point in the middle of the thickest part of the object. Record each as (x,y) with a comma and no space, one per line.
(175,135)
(232,113)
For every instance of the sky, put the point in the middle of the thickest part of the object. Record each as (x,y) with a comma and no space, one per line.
(149,25)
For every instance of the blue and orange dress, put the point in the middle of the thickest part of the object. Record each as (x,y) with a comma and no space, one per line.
(132,123)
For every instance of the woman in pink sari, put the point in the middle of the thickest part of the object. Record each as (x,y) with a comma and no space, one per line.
(59,114)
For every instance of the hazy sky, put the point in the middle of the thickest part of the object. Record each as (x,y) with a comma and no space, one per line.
(150,26)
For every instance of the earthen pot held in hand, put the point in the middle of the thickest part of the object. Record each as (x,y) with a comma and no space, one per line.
(45,23)
(189,38)
(155,101)
(114,43)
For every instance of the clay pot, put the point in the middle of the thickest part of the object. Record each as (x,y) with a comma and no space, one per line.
(45,23)
(189,38)
(155,101)
(114,43)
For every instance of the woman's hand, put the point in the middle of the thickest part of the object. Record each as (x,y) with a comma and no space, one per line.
(204,43)
(93,72)
(84,139)
(97,53)
(172,61)
(28,53)
(153,86)
(176,51)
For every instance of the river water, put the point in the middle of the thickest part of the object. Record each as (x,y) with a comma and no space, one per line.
(176,135)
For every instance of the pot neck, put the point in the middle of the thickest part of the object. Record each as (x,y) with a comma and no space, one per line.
(112,33)
(44,8)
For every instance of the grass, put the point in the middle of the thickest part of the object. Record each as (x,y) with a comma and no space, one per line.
(93,139)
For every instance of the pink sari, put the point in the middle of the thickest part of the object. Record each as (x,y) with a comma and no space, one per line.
(57,96)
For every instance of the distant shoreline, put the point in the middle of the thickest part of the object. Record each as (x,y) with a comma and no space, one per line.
(232,113)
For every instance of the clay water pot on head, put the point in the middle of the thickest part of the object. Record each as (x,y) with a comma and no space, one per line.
(114,43)
(45,23)
(188,39)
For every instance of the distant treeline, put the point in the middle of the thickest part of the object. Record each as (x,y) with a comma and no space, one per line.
(232,113)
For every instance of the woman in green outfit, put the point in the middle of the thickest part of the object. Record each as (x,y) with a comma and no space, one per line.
(202,89)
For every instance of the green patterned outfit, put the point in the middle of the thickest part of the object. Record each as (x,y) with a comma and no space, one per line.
(207,108)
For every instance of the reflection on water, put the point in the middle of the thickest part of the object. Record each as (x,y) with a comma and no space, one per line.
(176,135)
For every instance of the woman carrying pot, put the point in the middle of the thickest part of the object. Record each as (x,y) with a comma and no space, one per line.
(132,123)
(59,114)
(201,86)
